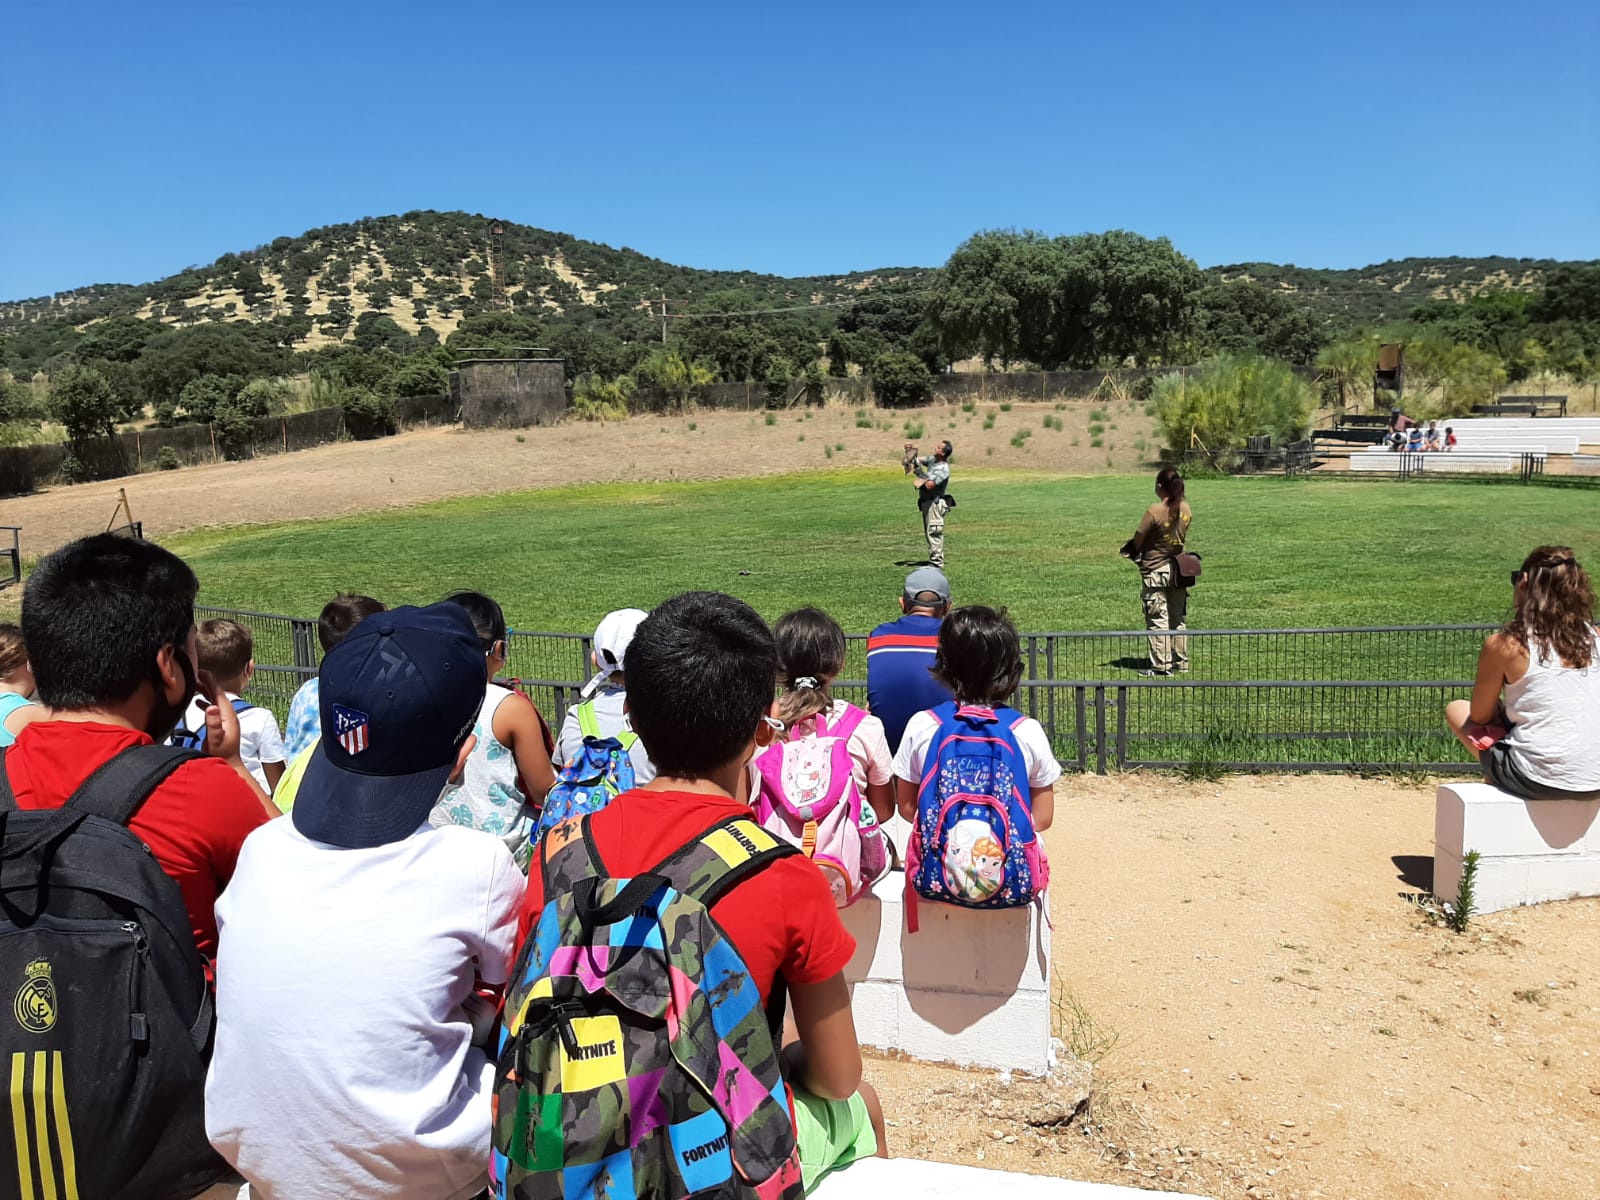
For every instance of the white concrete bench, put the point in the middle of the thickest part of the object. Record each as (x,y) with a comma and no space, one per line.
(1529,851)
(969,987)
(914,1179)
(1392,463)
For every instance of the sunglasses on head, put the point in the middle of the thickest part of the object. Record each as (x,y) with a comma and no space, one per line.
(1518,576)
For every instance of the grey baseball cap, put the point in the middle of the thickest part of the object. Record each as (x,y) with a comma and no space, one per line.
(928,579)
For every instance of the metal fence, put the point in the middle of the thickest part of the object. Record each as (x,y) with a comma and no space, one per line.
(1252,699)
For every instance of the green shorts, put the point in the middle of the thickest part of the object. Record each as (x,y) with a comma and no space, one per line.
(831,1134)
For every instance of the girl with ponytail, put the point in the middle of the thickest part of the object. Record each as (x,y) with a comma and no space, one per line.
(1534,716)
(811,649)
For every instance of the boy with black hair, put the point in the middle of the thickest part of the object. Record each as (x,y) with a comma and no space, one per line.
(109,624)
(339,616)
(702,669)
(227,650)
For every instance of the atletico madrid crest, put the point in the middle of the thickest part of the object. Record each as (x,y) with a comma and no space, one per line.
(351,728)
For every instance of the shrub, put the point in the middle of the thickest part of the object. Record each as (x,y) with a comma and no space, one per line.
(168,459)
(968,406)
(863,421)
(166,414)
(367,414)
(234,429)
(202,396)
(418,377)
(73,470)
(1227,402)
(900,379)
(261,398)
(597,399)
(772,418)
(913,431)
(1006,407)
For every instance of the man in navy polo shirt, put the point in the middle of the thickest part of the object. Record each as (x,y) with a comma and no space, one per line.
(899,654)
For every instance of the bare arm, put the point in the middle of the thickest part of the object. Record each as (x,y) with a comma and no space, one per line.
(826,1061)
(1497,661)
(273,772)
(881,797)
(1043,803)
(905,793)
(516,724)
(1147,526)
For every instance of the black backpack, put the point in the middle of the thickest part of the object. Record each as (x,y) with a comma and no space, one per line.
(105,1014)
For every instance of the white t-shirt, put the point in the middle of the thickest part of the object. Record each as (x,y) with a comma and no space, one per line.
(609,715)
(343,1062)
(259,739)
(1043,769)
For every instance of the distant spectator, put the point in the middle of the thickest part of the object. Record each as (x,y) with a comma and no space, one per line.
(509,771)
(1433,439)
(601,711)
(1155,547)
(1398,421)
(1536,704)
(1414,440)
(349,1056)
(18,708)
(109,624)
(1449,438)
(900,655)
(811,650)
(980,660)
(339,616)
(227,650)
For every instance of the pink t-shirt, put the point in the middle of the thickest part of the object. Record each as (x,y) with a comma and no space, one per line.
(870,760)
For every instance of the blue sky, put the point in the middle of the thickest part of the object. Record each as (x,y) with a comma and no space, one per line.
(800,139)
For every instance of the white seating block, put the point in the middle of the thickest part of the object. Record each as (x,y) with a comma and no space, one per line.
(970,987)
(915,1179)
(1529,851)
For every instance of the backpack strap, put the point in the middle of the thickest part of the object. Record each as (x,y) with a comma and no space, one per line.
(847,726)
(721,858)
(589,726)
(121,784)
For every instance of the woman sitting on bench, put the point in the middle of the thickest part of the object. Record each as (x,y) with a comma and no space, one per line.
(1539,742)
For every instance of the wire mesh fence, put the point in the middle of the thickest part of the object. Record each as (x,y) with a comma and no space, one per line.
(1251,699)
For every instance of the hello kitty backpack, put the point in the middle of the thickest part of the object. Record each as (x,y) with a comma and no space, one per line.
(808,797)
(973,843)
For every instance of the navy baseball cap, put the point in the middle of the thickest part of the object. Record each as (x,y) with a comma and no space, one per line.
(399,696)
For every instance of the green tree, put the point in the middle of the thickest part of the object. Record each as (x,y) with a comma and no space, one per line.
(597,399)
(1571,293)
(674,375)
(900,378)
(1348,365)
(203,397)
(1222,405)
(1245,318)
(1079,301)
(379,331)
(419,377)
(84,403)
(261,398)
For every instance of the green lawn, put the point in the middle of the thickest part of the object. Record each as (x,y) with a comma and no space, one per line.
(1278,553)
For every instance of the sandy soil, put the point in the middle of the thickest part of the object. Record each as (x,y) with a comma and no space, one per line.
(1286,1023)
(428,464)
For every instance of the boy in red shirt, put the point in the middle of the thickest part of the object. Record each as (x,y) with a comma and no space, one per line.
(702,671)
(109,625)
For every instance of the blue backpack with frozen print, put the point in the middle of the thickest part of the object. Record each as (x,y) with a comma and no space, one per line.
(973,843)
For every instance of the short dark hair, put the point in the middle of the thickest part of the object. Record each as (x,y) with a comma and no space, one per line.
(224,648)
(487,616)
(96,613)
(342,614)
(702,669)
(979,656)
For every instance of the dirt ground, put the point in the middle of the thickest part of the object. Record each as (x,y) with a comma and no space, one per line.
(1282,1022)
(429,464)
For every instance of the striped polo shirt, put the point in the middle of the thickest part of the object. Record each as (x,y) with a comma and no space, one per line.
(899,654)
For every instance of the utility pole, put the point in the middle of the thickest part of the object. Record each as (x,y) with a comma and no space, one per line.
(663,317)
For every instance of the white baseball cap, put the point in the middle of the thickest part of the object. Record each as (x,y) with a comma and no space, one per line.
(611,639)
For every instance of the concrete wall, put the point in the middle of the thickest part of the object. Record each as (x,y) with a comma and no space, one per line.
(1529,851)
(510,393)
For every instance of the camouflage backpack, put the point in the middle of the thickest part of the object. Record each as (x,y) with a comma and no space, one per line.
(636,1059)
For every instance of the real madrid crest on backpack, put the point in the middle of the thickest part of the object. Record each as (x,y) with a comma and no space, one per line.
(637,1059)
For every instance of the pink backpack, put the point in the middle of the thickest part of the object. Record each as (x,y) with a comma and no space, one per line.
(809,799)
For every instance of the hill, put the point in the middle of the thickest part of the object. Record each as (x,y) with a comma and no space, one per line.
(427,270)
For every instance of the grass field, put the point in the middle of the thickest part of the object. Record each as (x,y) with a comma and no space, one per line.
(1278,552)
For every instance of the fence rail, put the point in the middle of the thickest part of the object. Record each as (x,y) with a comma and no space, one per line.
(1252,699)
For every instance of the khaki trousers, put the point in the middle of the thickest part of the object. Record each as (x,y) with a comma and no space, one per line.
(1166,609)
(933,530)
